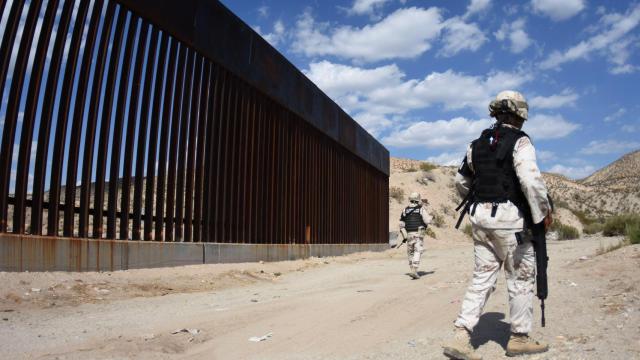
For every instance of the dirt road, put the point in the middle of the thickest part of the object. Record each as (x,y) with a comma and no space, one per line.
(361,306)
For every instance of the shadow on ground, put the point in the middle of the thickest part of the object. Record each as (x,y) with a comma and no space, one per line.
(491,327)
(424,273)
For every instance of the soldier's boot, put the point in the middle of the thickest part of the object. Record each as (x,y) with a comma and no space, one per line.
(522,344)
(460,347)
(414,273)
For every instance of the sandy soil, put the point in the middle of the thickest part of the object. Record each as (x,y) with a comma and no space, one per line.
(361,306)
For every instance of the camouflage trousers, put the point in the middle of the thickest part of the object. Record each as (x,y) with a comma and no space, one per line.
(493,249)
(415,248)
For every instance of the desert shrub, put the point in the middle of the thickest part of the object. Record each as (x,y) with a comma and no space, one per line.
(467,230)
(632,231)
(565,232)
(411,169)
(617,225)
(584,218)
(561,204)
(605,249)
(429,176)
(430,233)
(447,210)
(427,166)
(438,220)
(593,228)
(396,193)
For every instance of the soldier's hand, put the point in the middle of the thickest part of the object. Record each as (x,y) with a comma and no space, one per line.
(548,220)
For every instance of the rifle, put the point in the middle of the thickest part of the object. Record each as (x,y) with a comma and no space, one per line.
(542,260)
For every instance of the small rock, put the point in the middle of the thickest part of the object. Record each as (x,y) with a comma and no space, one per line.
(412,343)
(35,290)
(583,258)
(185,330)
(261,262)
(260,338)
(277,274)
(254,300)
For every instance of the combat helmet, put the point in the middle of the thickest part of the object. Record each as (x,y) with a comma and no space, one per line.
(414,197)
(509,102)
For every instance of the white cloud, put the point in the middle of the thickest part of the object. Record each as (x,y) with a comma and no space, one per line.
(276,35)
(601,147)
(373,123)
(623,69)
(263,11)
(544,155)
(610,42)
(476,6)
(406,33)
(338,80)
(573,172)
(620,112)
(459,36)
(630,128)
(558,10)
(566,98)
(545,127)
(447,158)
(384,90)
(441,134)
(516,34)
(361,7)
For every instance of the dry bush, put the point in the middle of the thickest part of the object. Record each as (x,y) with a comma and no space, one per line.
(430,233)
(467,230)
(396,193)
(565,232)
(438,220)
(593,228)
(427,166)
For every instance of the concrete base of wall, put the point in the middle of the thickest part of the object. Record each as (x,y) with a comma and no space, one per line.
(39,253)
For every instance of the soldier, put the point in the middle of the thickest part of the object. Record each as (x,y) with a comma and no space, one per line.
(504,189)
(414,219)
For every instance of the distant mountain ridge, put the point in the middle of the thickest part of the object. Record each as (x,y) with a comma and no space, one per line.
(622,173)
(612,190)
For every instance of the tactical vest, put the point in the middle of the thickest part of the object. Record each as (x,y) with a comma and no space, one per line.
(495,179)
(412,218)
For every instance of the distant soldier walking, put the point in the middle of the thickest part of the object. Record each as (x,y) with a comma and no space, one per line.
(414,220)
(505,196)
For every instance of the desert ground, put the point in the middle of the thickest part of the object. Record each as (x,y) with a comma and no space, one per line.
(361,306)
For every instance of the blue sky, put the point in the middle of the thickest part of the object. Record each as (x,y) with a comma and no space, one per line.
(419,75)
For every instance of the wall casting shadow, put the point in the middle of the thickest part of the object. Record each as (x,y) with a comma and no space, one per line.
(491,327)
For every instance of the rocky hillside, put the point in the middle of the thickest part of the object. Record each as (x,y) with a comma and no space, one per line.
(613,190)
(623,174)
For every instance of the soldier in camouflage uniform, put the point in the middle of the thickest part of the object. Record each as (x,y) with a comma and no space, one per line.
(414,219)
(506,187)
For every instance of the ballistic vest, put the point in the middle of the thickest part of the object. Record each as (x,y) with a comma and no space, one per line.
(495,179)
(412,218)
